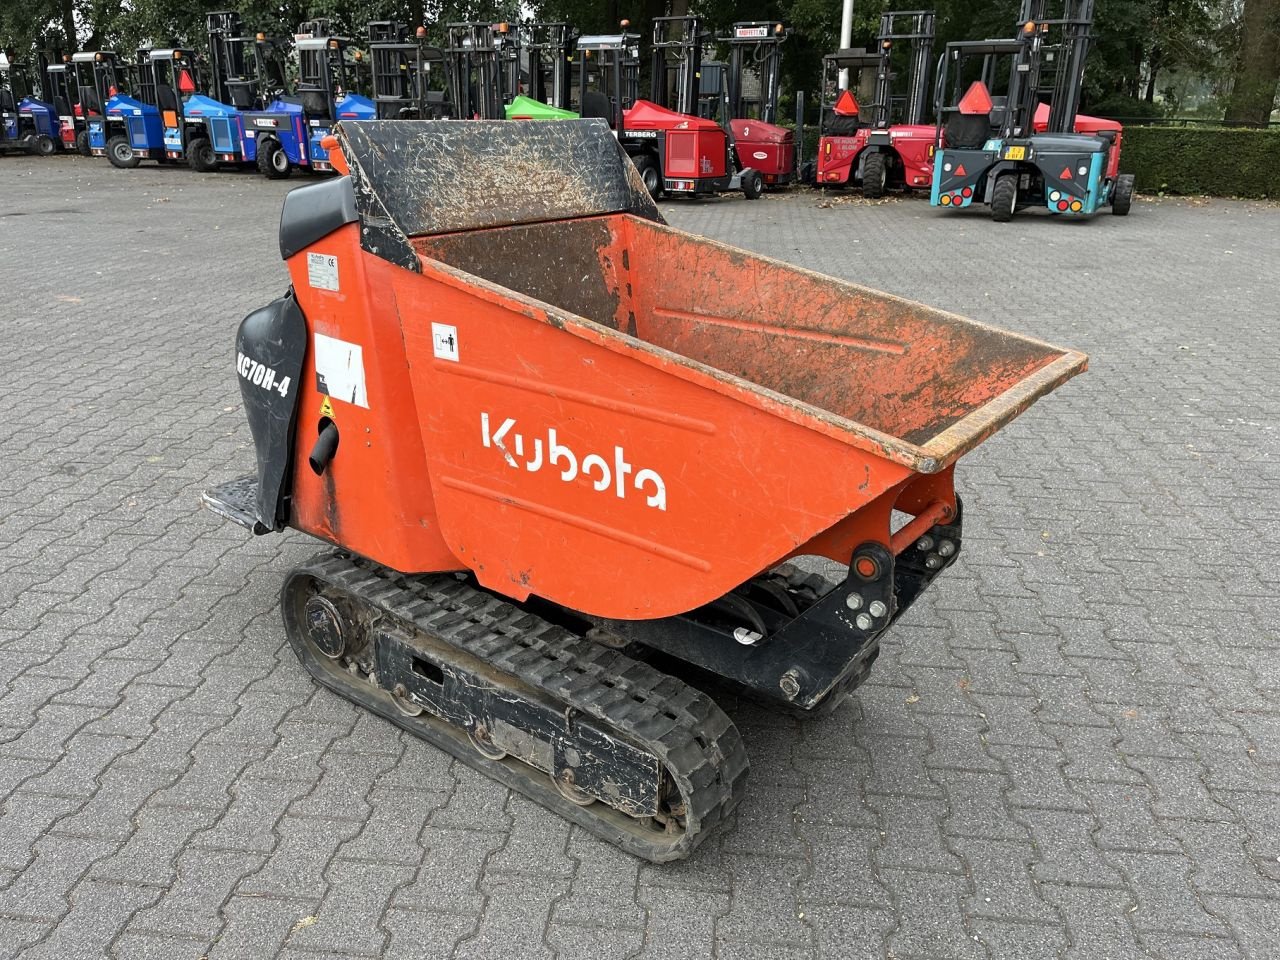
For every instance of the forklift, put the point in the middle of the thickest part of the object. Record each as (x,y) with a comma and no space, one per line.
(677,151)
(883,143)
(291,128)
(95,76)
(153,125)
(484,69)
(27,122)
(1014,151)
(60,88)
(403,72)
(549,48)
(755,47)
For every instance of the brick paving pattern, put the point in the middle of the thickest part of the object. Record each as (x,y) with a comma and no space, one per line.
(1069,747)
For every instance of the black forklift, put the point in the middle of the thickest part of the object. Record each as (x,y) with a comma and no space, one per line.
(1014,150)
(549,52)
(408,77)
(483,69)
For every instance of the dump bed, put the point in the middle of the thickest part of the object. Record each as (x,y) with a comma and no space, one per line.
(674,414)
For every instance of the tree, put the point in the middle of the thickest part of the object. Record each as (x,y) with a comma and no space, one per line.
(1257,68)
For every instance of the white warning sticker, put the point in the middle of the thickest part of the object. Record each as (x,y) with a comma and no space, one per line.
(444,341)
(322,271)
(340,370)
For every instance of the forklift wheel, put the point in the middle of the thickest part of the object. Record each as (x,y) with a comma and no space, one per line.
(875,175)
(121,154)
(649,173)
(200,156)
(752,184)
(273,162)
(1122,195)
(46,146)
(1004,198)
(82,143)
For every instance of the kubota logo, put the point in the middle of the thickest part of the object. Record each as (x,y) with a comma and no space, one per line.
(554,455)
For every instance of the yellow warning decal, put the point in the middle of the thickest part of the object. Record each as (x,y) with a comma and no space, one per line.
(326,408)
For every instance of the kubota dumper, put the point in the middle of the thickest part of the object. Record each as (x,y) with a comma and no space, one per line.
(548,435)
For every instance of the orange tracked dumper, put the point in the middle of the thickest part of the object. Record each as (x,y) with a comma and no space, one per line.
(556,443)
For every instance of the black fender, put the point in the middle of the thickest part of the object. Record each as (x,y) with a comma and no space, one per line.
(271,345)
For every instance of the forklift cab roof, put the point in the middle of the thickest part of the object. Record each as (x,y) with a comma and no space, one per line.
(851,58)
(93,56)
(169,53)
(607,41)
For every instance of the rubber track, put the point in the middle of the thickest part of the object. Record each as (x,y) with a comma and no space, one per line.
(699,746)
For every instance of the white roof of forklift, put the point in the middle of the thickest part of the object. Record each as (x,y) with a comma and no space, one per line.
(602,41)
(88,56)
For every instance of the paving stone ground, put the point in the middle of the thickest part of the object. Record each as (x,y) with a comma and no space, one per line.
(1069,748)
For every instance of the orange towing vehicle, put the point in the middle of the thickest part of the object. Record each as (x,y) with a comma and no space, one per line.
(556,443)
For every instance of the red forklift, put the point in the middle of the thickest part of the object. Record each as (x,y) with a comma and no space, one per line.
(755,48)
(883,143)
(677,151)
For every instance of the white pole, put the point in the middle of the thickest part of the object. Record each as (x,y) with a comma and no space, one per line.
(846,38)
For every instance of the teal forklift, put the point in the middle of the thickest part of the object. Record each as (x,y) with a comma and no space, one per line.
(1016,151)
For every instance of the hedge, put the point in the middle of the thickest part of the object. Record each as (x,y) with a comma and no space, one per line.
(1203,160)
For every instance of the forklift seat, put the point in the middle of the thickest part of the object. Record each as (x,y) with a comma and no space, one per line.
(597,105)
(166,99)
(241,93)
(7,103)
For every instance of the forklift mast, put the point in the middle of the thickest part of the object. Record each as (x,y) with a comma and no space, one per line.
(549,49)
(615,69)
(323,73)
(1075,36)
(478,67)
(98,77)
(228,63)
(916,28)
(757,44)
(401,71)
(677,50)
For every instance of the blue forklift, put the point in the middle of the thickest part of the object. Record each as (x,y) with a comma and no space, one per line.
(27,122)
(290,130)
(151,124)
(1015,150)
(95,78)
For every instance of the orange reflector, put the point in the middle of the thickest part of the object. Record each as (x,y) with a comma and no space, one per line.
(976,100)
(846,105)
(1065,174)
(185,83)
(170,118)
(330,145)
(945,199)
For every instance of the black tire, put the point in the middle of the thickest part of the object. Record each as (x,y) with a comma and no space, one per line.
(752,184)
(273,162)
(46,146)
(200,155)
(1004,197)
(120,153)
(875,175)
(82,144)
(647,167)
(1122,195)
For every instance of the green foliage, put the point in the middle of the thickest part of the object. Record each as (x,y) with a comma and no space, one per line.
(1124,108)
(1203,160)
